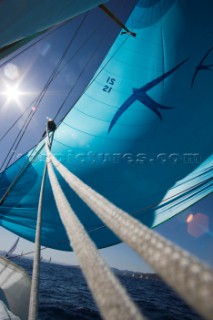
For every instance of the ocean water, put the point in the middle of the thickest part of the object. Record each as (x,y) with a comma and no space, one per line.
(64,295)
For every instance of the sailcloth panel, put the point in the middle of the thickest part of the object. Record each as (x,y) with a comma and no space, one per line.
(14,290)
(141,133)
(26,18)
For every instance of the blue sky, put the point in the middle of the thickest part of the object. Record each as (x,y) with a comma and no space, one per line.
(31,70)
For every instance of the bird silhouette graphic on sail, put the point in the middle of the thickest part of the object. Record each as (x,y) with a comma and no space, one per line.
(142,96)
(202,66)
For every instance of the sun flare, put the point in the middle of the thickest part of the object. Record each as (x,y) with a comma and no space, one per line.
(12,93)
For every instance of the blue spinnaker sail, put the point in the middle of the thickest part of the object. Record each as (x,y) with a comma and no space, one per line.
(140,134)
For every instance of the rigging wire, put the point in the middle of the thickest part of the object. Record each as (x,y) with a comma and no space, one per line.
(50,80)
(94,78)
(66,98)
(77,99)
(15,144)
(14,123)
(83,44)
(40,97)
(51,30)
(21,171)
(23,168)
(59,71)
(78,78)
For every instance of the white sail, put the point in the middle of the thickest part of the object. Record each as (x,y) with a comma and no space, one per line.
(14,288)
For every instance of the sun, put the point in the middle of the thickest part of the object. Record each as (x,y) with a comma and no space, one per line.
(12,93)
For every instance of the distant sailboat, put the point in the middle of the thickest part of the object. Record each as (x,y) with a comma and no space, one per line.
(21,255)
(9,253)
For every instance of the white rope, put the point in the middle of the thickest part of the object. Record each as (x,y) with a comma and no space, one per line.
(34,294)
(188,276)
(110,296)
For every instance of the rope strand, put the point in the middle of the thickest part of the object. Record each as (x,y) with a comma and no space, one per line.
(34,295)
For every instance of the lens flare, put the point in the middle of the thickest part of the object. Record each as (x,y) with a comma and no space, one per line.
(11,71)
(189,218)
(198,225)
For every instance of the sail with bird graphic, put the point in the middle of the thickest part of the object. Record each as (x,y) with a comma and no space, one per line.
(139,134)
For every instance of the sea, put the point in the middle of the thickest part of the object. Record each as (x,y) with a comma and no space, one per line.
(64,295)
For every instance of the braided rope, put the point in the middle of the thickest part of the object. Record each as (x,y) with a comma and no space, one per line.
(112,299)
(188,276)
(34,294)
